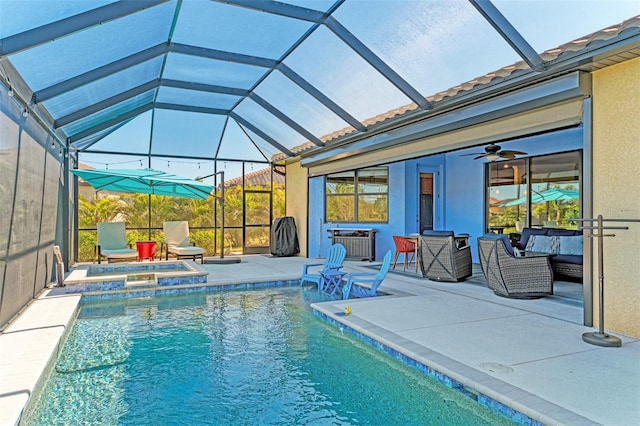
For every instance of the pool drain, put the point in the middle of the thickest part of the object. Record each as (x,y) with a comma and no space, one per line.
(495,367)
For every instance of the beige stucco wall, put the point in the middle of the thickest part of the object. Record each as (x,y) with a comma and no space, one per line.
(616,191)
(297,201)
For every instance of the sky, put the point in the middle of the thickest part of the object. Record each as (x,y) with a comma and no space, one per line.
(434,45)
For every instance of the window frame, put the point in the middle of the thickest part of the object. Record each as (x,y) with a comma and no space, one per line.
(355,195)
(529,184)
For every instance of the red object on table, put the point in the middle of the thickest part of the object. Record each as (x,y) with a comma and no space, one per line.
(146,250)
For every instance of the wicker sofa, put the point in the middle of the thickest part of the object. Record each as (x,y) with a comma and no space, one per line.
(565,248)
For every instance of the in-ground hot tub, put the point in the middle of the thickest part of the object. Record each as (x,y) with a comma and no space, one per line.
(120,276)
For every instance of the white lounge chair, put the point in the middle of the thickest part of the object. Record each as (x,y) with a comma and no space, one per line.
(176,241)
(112,243)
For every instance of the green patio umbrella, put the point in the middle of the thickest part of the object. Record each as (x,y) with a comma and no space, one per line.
(553,194)
(145,181)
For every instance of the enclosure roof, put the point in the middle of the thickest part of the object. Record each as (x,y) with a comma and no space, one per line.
(263,80)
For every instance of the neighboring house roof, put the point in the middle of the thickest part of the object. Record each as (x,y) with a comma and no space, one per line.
(566,53)
(83,166)
(260,177)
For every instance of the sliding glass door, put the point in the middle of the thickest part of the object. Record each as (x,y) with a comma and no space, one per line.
(541,191)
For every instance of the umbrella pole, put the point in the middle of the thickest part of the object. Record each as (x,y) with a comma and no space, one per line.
(149,215)
(221,201)
(149,199)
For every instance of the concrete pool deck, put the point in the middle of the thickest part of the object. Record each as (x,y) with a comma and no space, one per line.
(526,354)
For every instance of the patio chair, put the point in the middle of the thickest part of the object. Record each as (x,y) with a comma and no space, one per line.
(335,258)
(365,284)
(442,259)
(511,276)
(176,241)
(407,248)
(112,243)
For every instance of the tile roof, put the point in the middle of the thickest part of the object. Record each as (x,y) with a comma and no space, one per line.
(557,54)
(259,177)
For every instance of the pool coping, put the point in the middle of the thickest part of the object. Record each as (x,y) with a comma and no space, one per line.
(35,339)
(520,406)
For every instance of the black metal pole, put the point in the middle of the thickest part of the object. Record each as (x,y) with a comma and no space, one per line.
(149,202)
(220,200)
(601,274)
(149,214)
(222,213)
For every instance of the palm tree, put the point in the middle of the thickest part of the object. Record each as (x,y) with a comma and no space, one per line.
(102,209)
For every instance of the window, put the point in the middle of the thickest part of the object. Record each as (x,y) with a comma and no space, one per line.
(541,191)
(357,196)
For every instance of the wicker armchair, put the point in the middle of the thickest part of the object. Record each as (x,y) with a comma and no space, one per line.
(441,259)
(511,276)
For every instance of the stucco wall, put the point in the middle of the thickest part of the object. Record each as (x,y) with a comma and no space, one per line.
(319,237)
(296,202)
(616,190)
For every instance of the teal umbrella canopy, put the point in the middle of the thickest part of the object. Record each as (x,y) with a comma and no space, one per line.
(145,181)
(553,194)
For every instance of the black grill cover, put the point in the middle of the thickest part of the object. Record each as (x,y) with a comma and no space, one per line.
(284,239)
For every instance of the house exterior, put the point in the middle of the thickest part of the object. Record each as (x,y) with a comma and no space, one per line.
(590,106)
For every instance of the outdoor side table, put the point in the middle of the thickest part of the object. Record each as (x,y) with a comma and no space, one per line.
(146,250)
(331,281)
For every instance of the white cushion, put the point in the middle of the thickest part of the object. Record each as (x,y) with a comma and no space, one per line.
(112,235)
(571,245)
(176,233)
(186,251)
(119,253)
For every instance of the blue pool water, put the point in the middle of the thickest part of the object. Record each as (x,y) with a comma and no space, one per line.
(240,357)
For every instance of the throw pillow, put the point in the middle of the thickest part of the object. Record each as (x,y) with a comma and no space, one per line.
(527,233)
(544,244)
(530,242)
(571,245)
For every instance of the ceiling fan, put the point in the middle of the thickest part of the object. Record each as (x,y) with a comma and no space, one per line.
(493,152)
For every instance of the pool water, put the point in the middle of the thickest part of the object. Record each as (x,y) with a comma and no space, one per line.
(238,357)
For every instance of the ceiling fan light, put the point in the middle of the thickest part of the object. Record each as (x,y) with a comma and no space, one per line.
(492,157)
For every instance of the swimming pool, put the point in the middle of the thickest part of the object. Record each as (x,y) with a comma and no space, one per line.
(236,357)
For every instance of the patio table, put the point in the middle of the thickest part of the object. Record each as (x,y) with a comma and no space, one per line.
(331,281)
